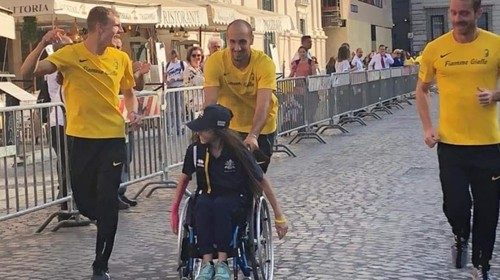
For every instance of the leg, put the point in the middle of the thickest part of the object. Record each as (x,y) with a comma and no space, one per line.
(455,180)
(266,142)
(204,224)
(203,216)
(486,195)
(83,170)
(57,132)
(111,158)
(225,209)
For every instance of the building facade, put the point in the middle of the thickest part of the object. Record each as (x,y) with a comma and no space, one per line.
(361,23)
(429,20)
(278,26)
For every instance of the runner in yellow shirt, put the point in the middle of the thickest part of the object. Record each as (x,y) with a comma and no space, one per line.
(94,74)
(466,65)
(244,80)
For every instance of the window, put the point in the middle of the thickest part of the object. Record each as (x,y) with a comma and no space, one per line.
(269,38)
(377,3)
(483,21)
(330,3)
(437,26)
(302,26)
(268,5)
(374,33)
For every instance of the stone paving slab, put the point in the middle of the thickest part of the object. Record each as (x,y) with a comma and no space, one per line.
(366,205)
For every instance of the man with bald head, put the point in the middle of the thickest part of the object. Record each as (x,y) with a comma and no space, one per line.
(244,80)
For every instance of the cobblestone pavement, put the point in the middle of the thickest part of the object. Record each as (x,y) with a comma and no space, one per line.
(366,205)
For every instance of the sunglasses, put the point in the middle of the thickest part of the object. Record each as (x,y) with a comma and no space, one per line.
(195,55)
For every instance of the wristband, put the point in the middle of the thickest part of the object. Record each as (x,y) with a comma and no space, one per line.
(281,220)
(253,135)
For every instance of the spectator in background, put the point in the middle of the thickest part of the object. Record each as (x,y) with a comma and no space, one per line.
(381,60)
(330,66)
(397,57)
(356,62)
(174,70)
(214,44)
(367,60)
(303,66)
(306,42)
(408,59)
(193,74)
(342,65)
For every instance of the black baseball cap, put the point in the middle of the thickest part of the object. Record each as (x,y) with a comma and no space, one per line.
(213,117)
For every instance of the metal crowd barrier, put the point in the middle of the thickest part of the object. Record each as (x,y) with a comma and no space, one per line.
(32,172)
(177,106)
(346,97)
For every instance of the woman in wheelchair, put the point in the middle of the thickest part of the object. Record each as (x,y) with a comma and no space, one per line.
(228,177)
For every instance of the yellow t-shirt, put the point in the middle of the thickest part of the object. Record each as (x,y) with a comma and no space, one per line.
(408,62)
(238,88)
(459,70)
(91,87)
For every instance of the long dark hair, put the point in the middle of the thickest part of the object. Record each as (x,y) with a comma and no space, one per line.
(232,142)
(343,54)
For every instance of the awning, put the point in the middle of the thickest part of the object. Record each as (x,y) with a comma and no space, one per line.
(220,14)
(7,23)
(176,13)
(266,21)
(130,13)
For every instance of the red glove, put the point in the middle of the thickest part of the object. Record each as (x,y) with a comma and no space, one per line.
(174,218)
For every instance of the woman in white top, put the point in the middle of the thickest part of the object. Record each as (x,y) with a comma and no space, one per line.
(342,65)
(193,74)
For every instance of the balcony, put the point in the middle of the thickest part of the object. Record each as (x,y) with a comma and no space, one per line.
(330,13)
(331,20)
(303,3)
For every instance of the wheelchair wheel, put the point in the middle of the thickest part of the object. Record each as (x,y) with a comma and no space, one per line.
(188,270)
(181,236)
(261,249)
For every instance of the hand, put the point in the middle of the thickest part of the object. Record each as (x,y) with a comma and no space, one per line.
(281,227)
(141,67)
(52,36)
(485,97)
(135,120)
(174,218)
(431,137)
(251,142)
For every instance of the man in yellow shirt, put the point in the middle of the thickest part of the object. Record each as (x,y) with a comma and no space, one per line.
(465,64)
(94,74)
(244,80)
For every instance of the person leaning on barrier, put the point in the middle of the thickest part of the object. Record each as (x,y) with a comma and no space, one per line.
(330,66)
(93,74)
(228,177)
(342,65)
(303,66)
(193,74)
(465,64)
(243,80)
(139,69)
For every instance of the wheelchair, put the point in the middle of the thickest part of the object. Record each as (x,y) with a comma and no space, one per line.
(252,243)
